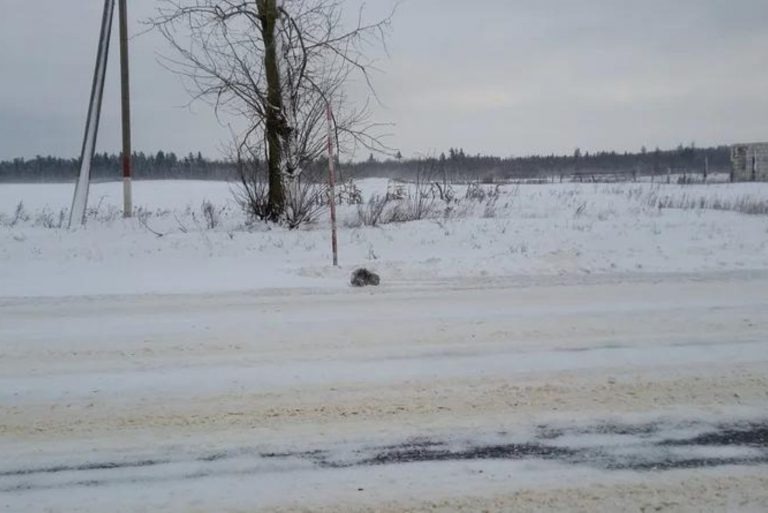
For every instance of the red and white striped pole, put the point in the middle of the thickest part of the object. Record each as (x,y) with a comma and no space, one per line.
(126,109)
(332,184)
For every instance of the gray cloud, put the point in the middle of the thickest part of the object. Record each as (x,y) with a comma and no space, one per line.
(496,76)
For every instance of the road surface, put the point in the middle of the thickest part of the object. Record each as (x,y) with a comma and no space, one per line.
(637,393)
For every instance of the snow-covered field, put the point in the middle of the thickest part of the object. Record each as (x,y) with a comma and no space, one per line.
(563,348)
(558,229)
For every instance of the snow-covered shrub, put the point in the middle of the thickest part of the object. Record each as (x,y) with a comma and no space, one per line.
(252,192)
(104,215)
(750,205)
(489,208)
(381,210)
(412,209)
(475,192)
(396,190)
(348,193)
(305,200)
(210,215)
(371,213)
(744,204)
(47,219)
(482,192)
(443,191)
(19,215)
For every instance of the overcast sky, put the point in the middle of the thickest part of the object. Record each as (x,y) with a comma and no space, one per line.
(508,77)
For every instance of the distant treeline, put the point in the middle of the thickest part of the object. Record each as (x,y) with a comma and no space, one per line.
(106,166)
(455,165)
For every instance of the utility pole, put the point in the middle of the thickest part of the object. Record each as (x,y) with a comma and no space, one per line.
(80,199)
(126,109)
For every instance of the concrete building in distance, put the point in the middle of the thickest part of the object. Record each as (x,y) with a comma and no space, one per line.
(750,162)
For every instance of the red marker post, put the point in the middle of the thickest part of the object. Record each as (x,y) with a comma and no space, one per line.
(126,109)
(332,185)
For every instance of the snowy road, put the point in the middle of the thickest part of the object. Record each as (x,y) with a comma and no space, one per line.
(601,394)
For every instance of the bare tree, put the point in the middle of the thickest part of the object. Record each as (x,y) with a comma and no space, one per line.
(277,64)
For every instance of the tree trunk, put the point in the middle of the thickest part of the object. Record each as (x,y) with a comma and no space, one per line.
(275,120)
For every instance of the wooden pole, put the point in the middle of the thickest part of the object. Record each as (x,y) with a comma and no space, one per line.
(332,185)
(126,109)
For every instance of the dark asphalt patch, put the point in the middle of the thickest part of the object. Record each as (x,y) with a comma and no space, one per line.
(751,435)
(410,454)
(638,447)
(84,467)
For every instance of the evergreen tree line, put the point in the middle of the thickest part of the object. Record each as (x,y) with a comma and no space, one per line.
(105,167)
(453,165)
